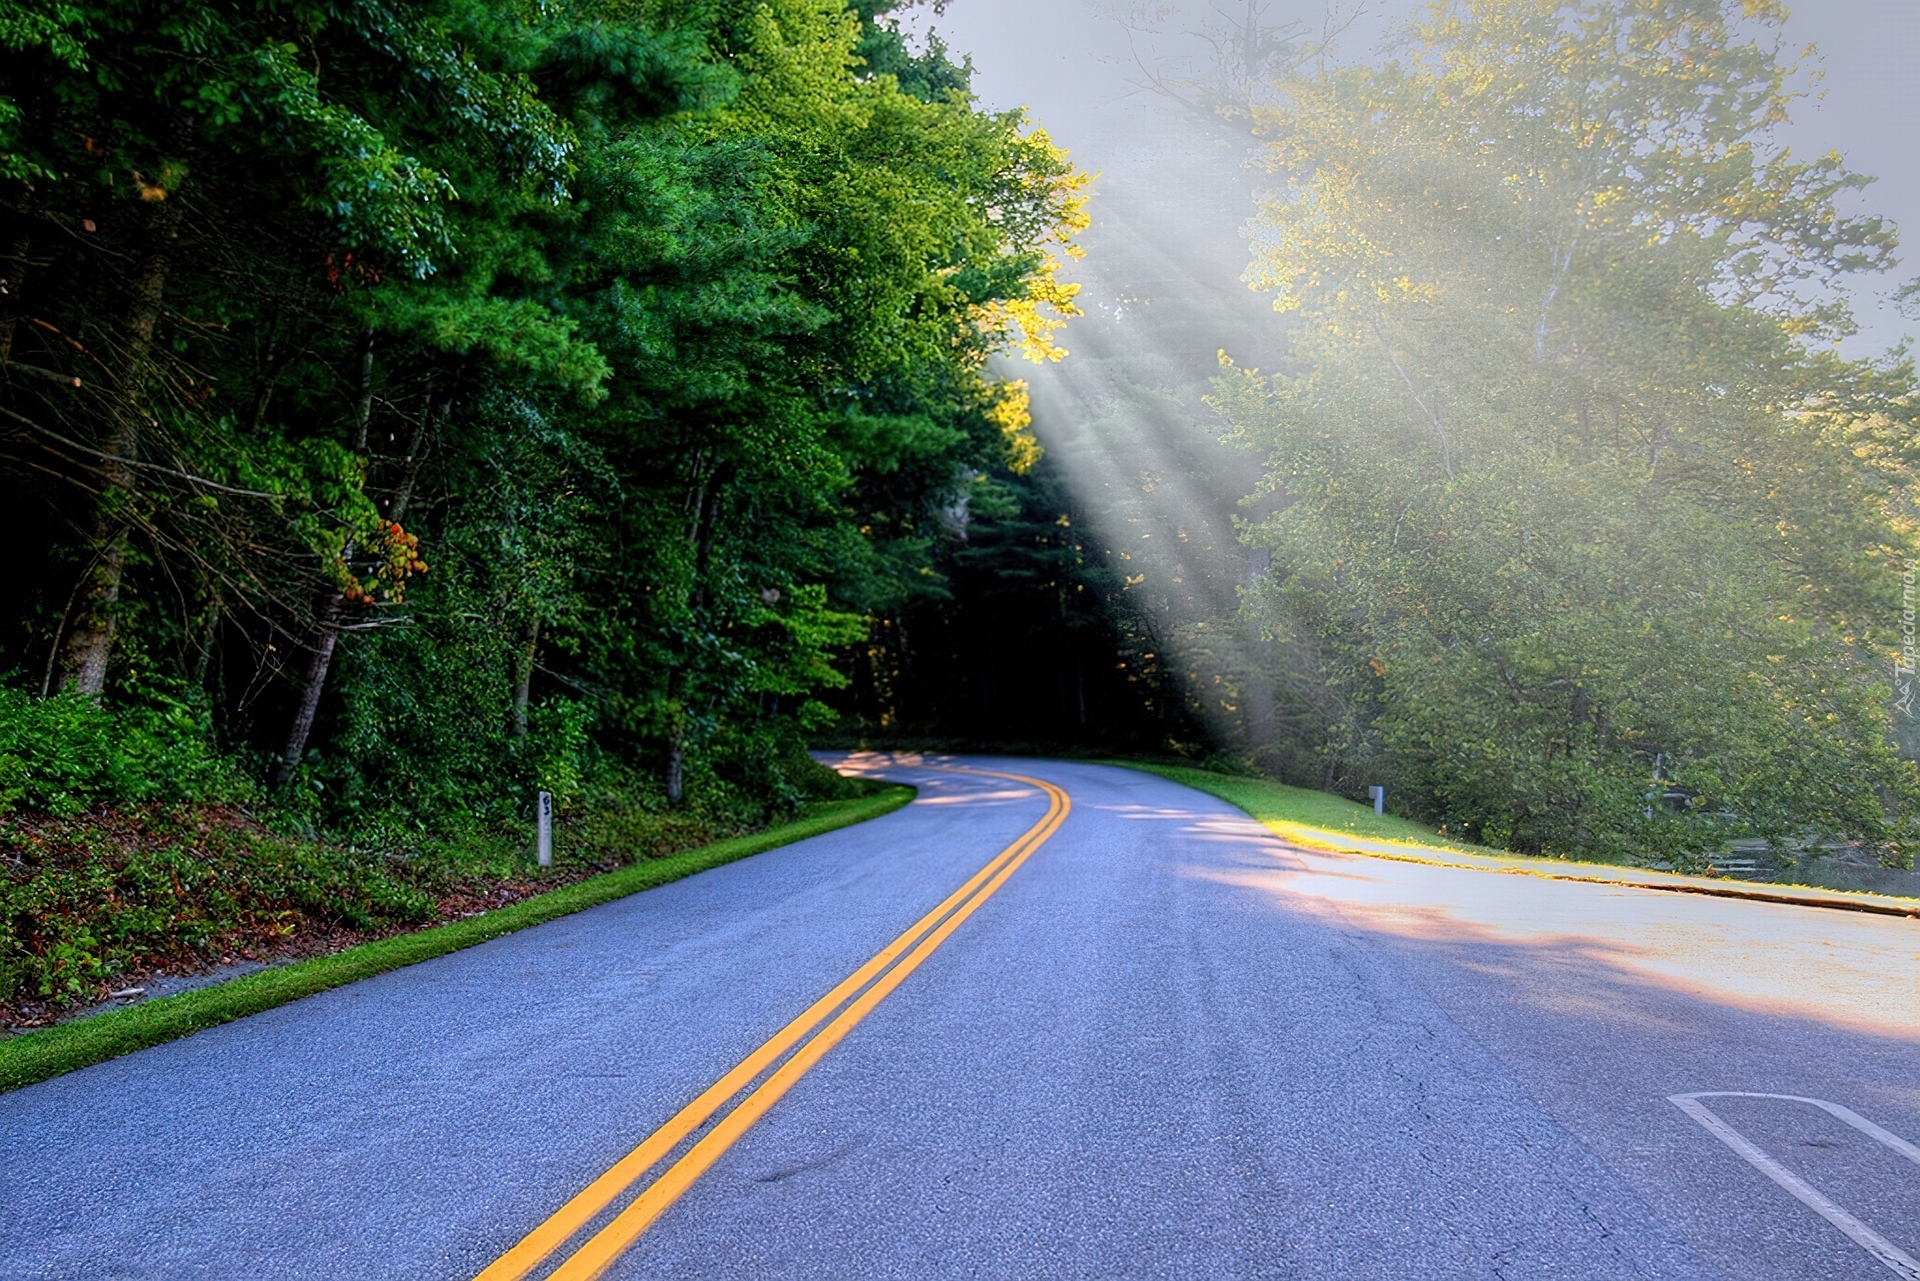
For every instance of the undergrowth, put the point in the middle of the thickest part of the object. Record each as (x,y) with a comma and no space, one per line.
(128,847)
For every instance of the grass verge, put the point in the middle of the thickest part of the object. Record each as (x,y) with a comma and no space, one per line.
(1310,818)
(1298,813)
(48,1052)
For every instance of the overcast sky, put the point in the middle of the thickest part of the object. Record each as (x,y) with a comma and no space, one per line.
(1071,68)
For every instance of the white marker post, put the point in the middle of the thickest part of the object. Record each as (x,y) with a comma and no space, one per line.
(1379,795)
(543,830)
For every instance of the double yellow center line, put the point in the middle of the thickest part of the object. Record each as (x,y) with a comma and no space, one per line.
(849,1002)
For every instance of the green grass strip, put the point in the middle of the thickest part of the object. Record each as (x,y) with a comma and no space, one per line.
(47,1052)
(1319,819)
(1278,806)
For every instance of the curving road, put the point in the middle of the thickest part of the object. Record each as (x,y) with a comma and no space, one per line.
(1145,1039)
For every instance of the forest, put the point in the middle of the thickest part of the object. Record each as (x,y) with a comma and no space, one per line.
(1584,536)
(410,407)
(413,405)
(413,397)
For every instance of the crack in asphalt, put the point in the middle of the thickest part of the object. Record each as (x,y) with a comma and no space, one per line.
(788,1172)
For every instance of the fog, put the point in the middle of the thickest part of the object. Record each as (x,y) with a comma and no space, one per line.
(1075,66)
(1339,599)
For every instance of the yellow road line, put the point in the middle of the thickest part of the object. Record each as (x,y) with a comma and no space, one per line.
(607,1245)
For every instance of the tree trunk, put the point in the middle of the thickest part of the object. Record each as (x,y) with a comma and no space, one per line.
(1261,712)
(523,673)
(209,634)
(410,469)
(676,766)
(310,689)
(59,632)
(363,408)
(328,636)
(703,503)
(90,641)
(13,277)
(676,736)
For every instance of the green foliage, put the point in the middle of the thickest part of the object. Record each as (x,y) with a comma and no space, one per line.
(65,754)
(84,902)
(421,731)
(87,899)
(1597,555)
(584,377)
(559,747)
(450,403)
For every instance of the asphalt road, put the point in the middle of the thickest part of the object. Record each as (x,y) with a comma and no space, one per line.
(1168,1045)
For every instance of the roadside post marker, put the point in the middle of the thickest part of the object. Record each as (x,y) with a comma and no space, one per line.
(543,828)
(1379,795)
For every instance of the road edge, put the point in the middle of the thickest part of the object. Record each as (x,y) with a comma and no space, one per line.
(1629,878)
(39,1055)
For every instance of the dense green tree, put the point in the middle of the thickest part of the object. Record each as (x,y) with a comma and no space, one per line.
(1573,507)
(442,398)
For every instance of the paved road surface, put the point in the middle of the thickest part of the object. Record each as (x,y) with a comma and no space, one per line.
(1169,1046)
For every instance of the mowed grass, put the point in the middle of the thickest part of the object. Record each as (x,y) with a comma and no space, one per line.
(1302,815)
(47,1052)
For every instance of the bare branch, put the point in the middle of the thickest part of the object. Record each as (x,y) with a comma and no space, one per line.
(51,375)
(189,477)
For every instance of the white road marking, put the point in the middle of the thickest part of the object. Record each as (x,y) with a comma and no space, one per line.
(1899,1261)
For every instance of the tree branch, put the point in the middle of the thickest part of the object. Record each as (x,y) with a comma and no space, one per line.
(1440,429)
(134,462)
(51,375)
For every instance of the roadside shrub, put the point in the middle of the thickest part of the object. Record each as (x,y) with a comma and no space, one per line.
(86,899)
(66,753)
(557,751)
(420,737)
